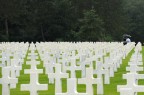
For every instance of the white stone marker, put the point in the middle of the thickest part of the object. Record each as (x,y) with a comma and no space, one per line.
(34,86)
(84,61)
(19,62)
(131,87)
(71,88)
(127,91)
(72,68)
(32,56)
(57,76)
(8,59)
(33,69)
(82,58)
(134,68)
(49,68)
(137,57)
(6,80)
(89,81)
(2,65)
(118,61)
(135,62)
(83,69)
(108,65)
(62,57)
(13,69)
(3,59)
(100,71)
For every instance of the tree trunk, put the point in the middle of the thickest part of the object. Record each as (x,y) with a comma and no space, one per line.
(42,33)
(6,27)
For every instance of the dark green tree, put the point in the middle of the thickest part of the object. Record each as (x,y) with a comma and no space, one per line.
(135,12)
(9,11)
(91,27)
(112,13)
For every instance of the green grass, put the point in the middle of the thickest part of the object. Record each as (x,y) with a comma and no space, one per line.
(141,81)
(0,77)
(109,89)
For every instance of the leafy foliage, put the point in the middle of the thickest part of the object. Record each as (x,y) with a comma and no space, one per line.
(91,26)
(71,20)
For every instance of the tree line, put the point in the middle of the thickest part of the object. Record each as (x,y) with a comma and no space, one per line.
(71,20)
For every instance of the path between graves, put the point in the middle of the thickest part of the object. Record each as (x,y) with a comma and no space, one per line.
(111,89)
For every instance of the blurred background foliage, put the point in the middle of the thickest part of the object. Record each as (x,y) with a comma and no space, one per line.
(71,20)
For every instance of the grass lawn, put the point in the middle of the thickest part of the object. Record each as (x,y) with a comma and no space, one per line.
(110,89)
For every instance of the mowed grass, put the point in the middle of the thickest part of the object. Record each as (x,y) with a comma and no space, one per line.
(109,89)
(141,81)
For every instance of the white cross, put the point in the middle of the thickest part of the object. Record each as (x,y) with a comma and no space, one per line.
(131,85)
(17,55)
(45,56)
(134,68)
(33,69)
(136,57)
(33,56)
(71,88)
(118,61)
(13,70)
(108,65)
(49,66)
(6,80)
(4,58)
(34,86)
(82,58)
(73,67)
(15,63)
(58,75)
(135,62)
(89,81)
(64,56)
(100,71)
(83,64)
(83,68)
(20,62)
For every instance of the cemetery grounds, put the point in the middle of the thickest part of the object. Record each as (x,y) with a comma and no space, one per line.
(109,89)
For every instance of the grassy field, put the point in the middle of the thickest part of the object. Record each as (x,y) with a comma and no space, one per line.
(110,89)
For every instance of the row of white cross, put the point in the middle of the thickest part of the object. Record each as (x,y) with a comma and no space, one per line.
(64,59)
(132,77)
(11,64)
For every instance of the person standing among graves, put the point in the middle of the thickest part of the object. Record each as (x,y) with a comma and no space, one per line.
(126,39)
